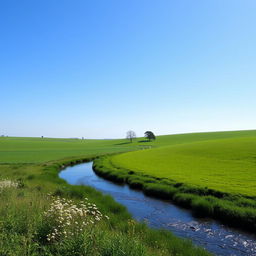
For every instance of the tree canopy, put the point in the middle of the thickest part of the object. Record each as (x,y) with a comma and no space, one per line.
(149,135)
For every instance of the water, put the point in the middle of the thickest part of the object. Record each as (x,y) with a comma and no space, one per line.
(213,236)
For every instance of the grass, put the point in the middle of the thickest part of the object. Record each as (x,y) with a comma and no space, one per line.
(233,209)
(214,176)
(38,150)
(23,227)
(35,162)
(226,165)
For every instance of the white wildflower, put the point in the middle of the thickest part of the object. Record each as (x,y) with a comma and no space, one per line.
(69,219)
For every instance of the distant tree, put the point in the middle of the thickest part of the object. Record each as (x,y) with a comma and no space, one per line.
(130,135)
(149,135)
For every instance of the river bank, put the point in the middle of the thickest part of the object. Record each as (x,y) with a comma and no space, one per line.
(25,229)
(207,233)
(234,210)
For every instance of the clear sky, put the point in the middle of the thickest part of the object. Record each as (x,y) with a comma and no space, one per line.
(99,68)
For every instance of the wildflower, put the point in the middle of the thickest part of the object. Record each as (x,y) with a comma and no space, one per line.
(8,184)
(70,219)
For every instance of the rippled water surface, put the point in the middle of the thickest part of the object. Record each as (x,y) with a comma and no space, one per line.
(213,236)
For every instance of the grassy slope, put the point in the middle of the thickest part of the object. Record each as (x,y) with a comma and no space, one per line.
(167,140)
(222,161)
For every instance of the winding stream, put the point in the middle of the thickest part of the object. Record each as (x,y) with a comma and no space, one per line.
(213,236)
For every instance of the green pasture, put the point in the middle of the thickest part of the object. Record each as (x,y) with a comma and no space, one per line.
(24,230)
(221,161)
(36,150)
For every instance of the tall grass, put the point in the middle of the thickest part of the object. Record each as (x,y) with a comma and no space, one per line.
(25,229)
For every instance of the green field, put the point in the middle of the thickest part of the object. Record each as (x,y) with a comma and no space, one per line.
(35,150)
(227,165)
(177,167)
(224,161)
(213,174)
(30,187)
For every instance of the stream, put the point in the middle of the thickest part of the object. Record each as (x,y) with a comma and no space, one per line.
(207,233)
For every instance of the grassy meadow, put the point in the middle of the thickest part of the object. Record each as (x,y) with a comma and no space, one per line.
(40,214)
(212,173)
(38,150)
(227,165)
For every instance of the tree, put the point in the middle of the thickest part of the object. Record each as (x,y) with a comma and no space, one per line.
(130,135)
(150,135)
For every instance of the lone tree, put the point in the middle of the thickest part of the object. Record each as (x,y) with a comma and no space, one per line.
(150,135)
(130,135)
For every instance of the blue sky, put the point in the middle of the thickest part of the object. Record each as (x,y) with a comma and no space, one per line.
(99,68)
